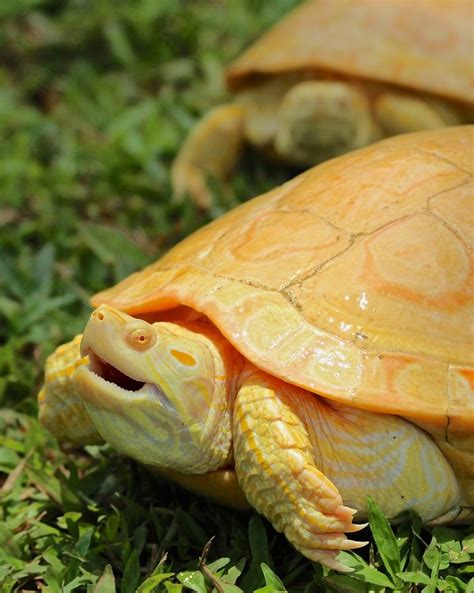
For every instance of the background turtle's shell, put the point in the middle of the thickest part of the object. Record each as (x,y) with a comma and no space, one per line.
(395,41)
(353,280)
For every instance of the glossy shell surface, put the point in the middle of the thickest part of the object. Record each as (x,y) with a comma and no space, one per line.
(354,280)
(391,41)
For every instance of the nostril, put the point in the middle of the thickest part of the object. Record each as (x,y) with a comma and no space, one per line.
(99,315)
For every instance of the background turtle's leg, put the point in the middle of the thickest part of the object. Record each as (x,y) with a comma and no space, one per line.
(386,456)
(319,120)
(276,470)
(211,150)
(400,114)
(60,409)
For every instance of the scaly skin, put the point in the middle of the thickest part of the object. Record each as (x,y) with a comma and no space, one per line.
(210,152)
(275,466)
(179,397)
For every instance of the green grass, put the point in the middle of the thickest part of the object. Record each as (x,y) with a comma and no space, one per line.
(95,98)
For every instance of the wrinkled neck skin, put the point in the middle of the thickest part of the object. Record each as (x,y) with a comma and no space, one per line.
(165,401)
(213,438)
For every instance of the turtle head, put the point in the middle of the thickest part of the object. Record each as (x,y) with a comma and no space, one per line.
(156,392)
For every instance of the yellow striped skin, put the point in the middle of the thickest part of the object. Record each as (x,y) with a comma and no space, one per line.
(361,452)
(64,414)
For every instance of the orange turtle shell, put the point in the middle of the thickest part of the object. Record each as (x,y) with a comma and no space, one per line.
(392,41)
(354,280)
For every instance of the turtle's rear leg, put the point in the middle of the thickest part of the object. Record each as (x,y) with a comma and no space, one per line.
(319,120)
(60,408)
(383,455)
(211,150)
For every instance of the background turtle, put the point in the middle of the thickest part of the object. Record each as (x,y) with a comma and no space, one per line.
(333,77)
(315,339)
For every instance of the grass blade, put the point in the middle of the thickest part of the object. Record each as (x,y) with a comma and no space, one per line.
(385,540)
(106,583)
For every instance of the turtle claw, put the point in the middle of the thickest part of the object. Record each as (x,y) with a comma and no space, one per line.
(350,544)
(345,513)
(353,527)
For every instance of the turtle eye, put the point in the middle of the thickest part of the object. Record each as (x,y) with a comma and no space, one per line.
(141,338)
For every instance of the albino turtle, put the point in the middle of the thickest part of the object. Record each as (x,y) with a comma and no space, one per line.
(317,340)
(334,76)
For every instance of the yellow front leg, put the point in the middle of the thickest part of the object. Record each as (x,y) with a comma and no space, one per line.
(210,151)
(60,409)
(276,471)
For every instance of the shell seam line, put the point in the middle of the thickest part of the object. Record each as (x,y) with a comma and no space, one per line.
(442,158)
(318,217)
(451,229)
(444,191)
(318,268)
(353,239)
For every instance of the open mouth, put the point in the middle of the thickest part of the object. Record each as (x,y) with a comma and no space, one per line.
(112,374)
